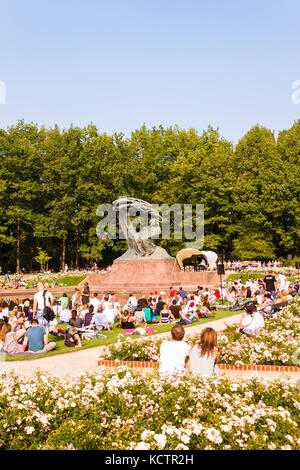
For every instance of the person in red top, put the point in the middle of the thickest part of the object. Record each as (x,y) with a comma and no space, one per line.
(217,294)
(172,291)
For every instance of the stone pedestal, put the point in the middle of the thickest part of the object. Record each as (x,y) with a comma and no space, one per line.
(146,275)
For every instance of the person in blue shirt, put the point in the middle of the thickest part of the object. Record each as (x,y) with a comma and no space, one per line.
(182,293)
(37,340)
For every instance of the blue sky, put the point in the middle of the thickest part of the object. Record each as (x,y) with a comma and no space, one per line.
(122,63)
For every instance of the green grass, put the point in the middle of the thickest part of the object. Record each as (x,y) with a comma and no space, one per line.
(67,281)
(245,276)
(112,337)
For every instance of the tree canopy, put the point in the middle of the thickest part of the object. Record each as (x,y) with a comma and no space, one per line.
(52,181)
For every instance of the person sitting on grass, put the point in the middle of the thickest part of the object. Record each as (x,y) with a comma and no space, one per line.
(252,322)
(267,304)
(65,315)
(100,321)
(204,355)
(5,329)
(139,316)
(13,318)
(75,320)
(175,309)
(150,317)
(20,325)
(127,320)
(205,308)
(173,354)
(13,342)
(36,339)
(166,315)
(64,300)
(131,302)
(159,306)
(72,338)
(109,313)
(188,314)
(89,315)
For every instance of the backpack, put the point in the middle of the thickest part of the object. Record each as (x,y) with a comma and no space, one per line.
(48,313)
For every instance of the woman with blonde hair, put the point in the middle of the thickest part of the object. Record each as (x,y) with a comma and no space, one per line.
(204,355)
(13,318)
(6,328)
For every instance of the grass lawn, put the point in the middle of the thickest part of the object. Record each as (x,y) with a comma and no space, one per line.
(67,281)
(112,337)
(245,276)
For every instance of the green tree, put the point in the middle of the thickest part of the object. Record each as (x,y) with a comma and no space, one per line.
(42,258)
(21,193)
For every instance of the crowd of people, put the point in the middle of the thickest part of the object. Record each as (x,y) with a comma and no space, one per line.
(27,327)
(241,265)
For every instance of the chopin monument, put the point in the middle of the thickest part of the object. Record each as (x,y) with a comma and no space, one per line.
(145,266)
(140,244)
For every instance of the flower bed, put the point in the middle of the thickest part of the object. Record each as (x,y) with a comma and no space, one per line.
(277,347)
(123,410)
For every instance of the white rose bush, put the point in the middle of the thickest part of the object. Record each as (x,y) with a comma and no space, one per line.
(126,410)
(277,346)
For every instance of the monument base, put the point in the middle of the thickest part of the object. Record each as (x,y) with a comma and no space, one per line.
(142,275)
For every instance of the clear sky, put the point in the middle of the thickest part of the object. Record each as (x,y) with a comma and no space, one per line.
(122,63)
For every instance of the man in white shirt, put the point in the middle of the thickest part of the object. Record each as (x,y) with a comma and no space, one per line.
(95,301)
(43,298)
(100,321)
(252,322)
(106,303)
(132,301)
(110,314)
(65,315)
(282,282)
(174,353)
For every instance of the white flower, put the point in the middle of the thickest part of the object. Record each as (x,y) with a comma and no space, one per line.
(213,435)
(225,428)
(160,439)
(181,447)
(29,429)
(185,438)
(142,446)
(145,434)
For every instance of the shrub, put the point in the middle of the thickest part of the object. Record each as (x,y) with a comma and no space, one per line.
(122,410)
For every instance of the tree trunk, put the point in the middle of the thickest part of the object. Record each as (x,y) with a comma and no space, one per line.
(18,247)
(63,255)
(30,260)
(76,260)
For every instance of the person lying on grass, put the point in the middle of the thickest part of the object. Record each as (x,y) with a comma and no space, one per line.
(72,338)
